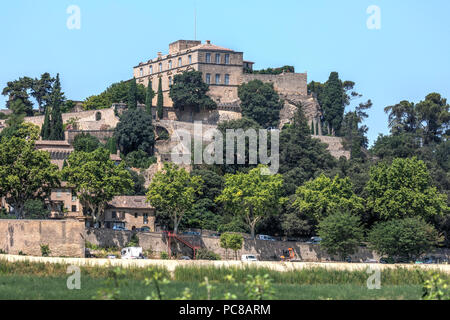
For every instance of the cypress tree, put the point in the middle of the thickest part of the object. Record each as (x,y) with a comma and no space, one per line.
(148,98)
(56,122)
(132,94)
(160,102)
(312,128)
(45,131)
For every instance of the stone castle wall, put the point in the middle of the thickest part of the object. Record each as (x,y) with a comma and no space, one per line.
(87,120)
(65,238)
(285,83)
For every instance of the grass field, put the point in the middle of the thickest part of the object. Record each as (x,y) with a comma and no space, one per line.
(54,288)
(24,280)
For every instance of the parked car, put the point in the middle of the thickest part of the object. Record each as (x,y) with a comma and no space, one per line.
(265,237)
(143,229)
(119,228)
(370,261)
(314,240)
(185,258)
(111,256)
(191,233)
(249,257)
(215,235)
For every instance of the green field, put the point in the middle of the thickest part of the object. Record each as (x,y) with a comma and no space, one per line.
(28,287)
(49,281)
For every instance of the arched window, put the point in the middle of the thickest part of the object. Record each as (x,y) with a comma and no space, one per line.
(98,116)
(180,63)
(160,67)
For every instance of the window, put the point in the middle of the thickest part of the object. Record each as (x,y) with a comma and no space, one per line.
(145,218)
(190,59)
(135,215)
(218,58)
(58,194)
(151,69)
(160,67)
(217,78)
(208,78)
(208,58)
(227,79)
(227,59)
(141,72)
(74,208)
(113,215)
(180,63)
(98,116)
(170,81)
(170,64)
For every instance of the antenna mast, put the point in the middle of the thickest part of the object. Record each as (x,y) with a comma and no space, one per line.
(195,21)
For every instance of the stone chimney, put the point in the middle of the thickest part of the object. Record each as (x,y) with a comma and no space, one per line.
(159,54)
(208,41)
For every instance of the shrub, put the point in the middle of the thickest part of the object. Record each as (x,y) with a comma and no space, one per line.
(45,250)
(164,256)
(231,241)
(205,254)
(139,159)
(134,241)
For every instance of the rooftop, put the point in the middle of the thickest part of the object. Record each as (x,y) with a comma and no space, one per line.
(130,202)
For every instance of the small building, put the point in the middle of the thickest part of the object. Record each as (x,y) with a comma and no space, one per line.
(129,212)
(64,203)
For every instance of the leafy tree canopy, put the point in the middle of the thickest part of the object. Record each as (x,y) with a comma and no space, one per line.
(86,142)
(135,132)
(260,102)
(25,173)
(252,195)
(190,91)
(341,233)
(323,197)
(116,93)
(403,189)
(404,239)
(173,192)
(96,179)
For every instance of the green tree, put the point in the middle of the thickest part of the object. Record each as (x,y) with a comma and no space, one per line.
(149,98)
(24,130)
(56,123)
(139,159)
(132,95)
(189,91)
(85,142)
(45,130)
(402,190)
(135,132)
(41,90)
(231,241)
(341,233)
(173,192)
(25,173)
(434,115)
(115,93)
(323,197)
(36,209)
(18,90)
(260,102)
(96,179)
(301,157)
(407,238)
(160,100)
(252,195)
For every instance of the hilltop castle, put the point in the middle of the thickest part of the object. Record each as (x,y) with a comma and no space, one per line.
(223,70)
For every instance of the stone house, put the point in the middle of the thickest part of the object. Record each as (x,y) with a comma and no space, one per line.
(130,212)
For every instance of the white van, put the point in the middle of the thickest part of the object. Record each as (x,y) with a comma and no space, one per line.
(265,237)
(249,257)
(132,253)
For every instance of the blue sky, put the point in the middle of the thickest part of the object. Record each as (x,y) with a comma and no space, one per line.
(407,58)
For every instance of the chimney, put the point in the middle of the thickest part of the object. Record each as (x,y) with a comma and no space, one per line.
(159,54)
(208,41)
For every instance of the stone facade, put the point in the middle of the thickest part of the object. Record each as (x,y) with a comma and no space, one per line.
(65,238)
(130,212)
(222,69)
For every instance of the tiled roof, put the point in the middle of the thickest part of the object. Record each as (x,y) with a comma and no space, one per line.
(131,202)
(209,46)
